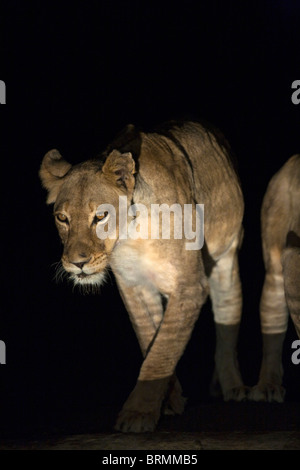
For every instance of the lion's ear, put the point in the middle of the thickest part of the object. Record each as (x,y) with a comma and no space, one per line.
(52,171)
(119,168)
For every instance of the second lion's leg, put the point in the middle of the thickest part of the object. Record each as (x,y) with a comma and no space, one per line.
(274,320)
(291,276)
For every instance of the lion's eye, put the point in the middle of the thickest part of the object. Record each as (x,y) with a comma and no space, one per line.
(100,217)
(62,217)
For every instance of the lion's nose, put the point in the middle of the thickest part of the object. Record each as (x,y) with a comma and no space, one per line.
(81,264)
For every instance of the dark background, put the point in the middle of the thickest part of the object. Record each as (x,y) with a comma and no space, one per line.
(75,74)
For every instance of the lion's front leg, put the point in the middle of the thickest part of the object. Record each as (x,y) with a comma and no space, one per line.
(145,308)
(142,409)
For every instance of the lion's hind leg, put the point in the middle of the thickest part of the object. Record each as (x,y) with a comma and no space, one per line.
(274,321)
(291,276)
(226,296)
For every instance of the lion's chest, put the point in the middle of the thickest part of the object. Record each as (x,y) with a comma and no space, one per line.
(137,266)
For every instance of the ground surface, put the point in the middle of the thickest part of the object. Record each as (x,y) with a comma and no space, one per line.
(208,426)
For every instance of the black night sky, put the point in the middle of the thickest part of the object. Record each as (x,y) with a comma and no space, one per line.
(76,73)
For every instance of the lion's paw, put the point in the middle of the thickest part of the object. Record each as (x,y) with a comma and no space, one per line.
(267,392)
(175,404)
(238,393)
(135,421)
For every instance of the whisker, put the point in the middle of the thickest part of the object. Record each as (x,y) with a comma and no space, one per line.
(60,272)
(56,263)
(85,288)
(108,277)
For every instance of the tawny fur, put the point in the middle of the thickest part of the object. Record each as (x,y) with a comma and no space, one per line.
(184,164)
(280,220)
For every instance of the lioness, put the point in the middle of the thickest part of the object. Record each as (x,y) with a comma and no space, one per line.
(163,283)
(280,219)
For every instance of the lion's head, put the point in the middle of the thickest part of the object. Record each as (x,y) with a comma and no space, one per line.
(76,192)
